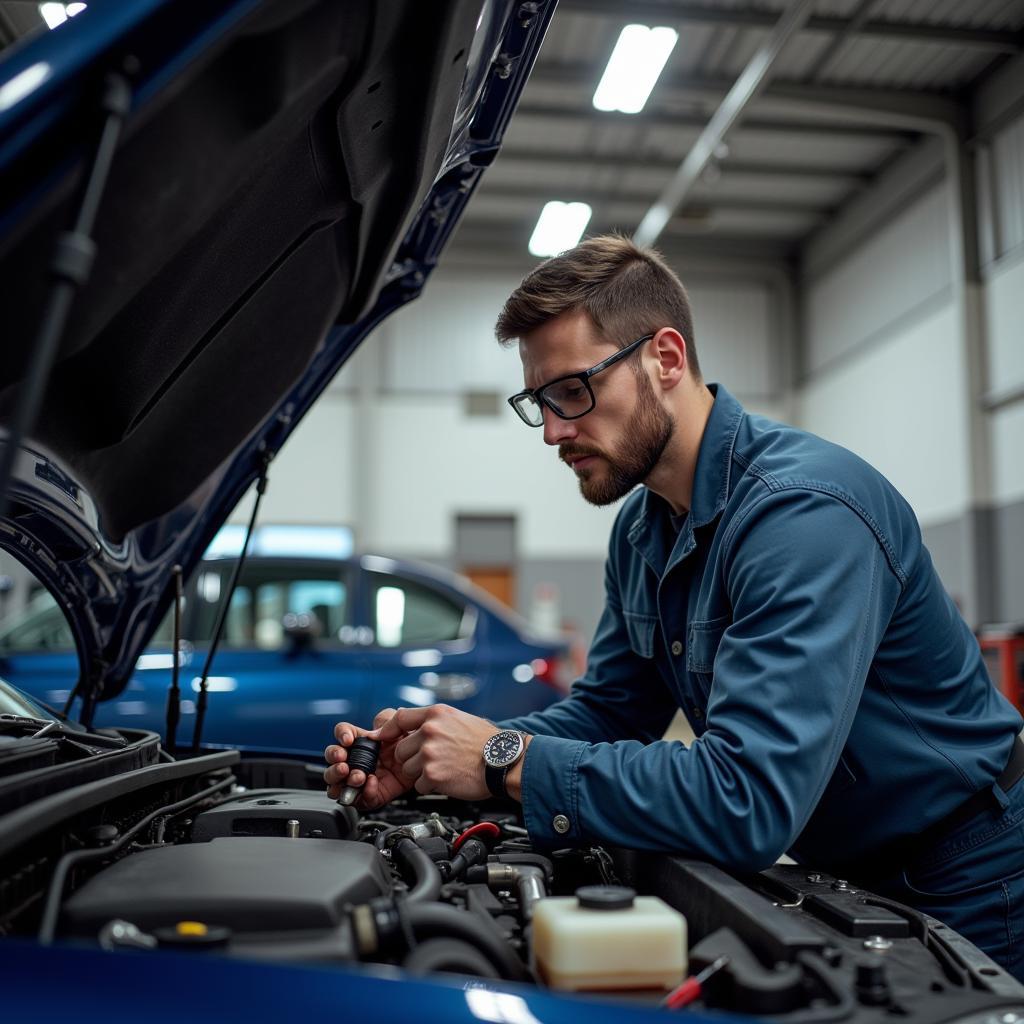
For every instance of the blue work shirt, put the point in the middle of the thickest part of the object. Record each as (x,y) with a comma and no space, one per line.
(839,700)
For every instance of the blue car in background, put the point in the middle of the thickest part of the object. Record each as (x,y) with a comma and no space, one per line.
(308,640)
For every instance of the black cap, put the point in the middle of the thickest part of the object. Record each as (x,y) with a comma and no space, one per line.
(605,897)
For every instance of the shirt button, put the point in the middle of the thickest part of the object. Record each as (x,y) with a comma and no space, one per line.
(677,648)
(560,824)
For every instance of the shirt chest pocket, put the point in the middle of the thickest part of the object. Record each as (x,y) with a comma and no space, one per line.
(702,646)
(641,633)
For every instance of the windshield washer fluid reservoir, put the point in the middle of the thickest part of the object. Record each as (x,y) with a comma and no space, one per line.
(607,937)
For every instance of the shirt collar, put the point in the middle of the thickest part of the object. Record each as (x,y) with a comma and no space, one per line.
(711,477)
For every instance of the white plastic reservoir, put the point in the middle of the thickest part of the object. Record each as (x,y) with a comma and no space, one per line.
(607,937)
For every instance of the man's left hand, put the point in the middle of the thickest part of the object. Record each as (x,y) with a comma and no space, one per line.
(442,749)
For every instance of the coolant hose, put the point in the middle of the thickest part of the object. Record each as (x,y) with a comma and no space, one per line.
(449,955)
(413,861)
(436,920)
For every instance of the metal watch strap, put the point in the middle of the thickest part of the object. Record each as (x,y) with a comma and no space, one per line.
(495,779)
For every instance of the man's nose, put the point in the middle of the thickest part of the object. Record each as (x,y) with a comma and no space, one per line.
(557,430)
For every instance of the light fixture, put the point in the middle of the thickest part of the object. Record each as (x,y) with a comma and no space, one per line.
(559,227)
(633,68)
(57,14)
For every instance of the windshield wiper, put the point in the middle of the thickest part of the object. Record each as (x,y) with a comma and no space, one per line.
(39,727)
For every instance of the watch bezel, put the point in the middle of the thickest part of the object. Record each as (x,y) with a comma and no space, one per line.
(505,762)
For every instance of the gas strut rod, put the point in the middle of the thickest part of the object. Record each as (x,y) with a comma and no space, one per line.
(222,612)
(174,693)
(70,267)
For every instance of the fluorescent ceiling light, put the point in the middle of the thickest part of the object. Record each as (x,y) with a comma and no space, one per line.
(634,66)
(560,227)
(57,14)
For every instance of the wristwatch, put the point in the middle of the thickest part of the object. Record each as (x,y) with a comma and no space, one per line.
(500,752)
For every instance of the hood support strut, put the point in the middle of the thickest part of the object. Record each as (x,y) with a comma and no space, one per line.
(70,267)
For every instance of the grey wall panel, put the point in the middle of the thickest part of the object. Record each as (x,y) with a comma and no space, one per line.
(580,584)
(1008,524)
(1008,186)
(945,543)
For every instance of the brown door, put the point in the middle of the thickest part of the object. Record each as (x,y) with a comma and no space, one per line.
(498,581)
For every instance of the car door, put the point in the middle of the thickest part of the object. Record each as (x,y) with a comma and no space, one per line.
(285,670)
(424,642)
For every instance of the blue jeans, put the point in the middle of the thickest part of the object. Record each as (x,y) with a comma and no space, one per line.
(973,880)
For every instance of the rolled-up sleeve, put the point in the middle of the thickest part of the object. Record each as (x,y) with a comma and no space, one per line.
(811,592)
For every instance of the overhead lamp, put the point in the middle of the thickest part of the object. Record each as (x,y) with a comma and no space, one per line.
(637,60)
(57,14)
(559,227)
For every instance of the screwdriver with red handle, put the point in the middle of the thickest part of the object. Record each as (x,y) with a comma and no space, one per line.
(690,989)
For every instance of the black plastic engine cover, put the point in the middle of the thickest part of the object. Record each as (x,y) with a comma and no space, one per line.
(252,884)
(266,812)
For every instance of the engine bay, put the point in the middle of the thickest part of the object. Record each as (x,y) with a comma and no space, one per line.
(221,856)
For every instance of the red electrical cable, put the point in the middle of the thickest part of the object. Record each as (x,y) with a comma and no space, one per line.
(691,989)
(482,828)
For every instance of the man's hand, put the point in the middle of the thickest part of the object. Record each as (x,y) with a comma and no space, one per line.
(380,788)
(441,748)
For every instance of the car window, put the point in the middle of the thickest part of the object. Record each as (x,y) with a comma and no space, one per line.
(37,625)
(407,612)
(262,599)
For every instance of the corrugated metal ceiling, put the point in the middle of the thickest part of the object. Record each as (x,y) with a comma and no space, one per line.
(559,147)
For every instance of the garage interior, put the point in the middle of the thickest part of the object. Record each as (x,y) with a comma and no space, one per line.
(852,246)
(840,186)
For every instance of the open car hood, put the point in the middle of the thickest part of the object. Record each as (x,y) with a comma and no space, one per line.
(288,175)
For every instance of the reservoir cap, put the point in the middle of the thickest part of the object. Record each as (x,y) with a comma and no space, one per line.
(605,897)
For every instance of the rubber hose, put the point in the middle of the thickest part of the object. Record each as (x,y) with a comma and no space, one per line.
(380,838)
(432,920)
(427,879)
(452,955)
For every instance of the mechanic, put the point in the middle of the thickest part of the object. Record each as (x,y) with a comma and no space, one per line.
(774,587)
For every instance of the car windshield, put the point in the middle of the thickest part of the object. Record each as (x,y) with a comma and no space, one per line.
(14,702)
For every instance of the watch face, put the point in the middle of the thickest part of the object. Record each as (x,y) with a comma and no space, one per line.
(503,748)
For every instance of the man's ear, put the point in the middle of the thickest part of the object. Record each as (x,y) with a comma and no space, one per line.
(670,348)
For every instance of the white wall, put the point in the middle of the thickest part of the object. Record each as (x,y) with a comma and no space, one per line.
(883,359)
(898,406)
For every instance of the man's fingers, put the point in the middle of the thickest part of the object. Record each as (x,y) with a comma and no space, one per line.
(334,792)
(403,720)
(345,733)
(408,747)
(423,786)
(413,768)
(335,774)
(382,716)
(334,754)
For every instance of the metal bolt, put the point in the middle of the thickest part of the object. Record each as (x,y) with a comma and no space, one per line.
(842,885)
(814,877)
(877,944)
(291,828)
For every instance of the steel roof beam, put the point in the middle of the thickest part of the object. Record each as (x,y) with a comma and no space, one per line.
(728,167)
(651,12)
(825,98)
(828,56)
(607,197)
(665,119)
(750,82)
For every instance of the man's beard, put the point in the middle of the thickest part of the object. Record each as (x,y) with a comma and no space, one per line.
(646,436)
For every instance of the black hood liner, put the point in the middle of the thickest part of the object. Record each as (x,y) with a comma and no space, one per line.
(255,202)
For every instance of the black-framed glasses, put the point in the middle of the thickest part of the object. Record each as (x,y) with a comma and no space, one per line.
(568,397)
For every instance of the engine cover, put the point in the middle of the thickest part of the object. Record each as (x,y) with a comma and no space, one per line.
(252,884)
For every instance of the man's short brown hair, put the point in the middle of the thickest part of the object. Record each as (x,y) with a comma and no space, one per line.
(626,291)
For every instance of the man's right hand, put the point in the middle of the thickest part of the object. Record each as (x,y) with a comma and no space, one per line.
(386,783)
